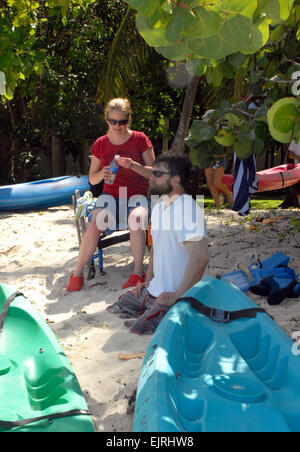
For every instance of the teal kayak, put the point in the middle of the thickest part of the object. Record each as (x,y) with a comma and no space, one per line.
(218,363)
(39,391)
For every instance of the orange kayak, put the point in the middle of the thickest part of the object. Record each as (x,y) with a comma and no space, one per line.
(273,178)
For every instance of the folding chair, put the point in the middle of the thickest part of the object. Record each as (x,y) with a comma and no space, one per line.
(105,240)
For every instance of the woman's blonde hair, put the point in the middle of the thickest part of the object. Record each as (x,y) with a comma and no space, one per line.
(120,104)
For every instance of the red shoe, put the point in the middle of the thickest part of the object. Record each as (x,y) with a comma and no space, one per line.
(75,283)
(133,280)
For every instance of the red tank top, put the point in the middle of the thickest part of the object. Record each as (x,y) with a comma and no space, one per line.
(133,148)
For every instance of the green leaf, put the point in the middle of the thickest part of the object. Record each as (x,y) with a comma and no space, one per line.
(144,7)
(234,7)
(180,19)
(243,149)
(284,118)
(259,147)
(196,67)
(194,156)
(224,137)
(228,40)
(155,37)
(204,23)
(233,120)
(257,37)
(38,67)
(275,112)
(276,11)
(202,131)
(205,159)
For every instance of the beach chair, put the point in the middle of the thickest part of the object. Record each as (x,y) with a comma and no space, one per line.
(107,239)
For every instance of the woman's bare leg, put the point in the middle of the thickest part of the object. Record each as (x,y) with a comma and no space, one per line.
(137,222)
(209,174)
(88,244)
(218,176)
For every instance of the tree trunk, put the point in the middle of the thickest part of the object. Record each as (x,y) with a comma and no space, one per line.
(187,110)
(55,156)
(82,159)
(165,138)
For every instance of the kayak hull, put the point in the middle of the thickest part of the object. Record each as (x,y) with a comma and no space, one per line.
(199,375)
(36,378)
(272,179)
(41,194)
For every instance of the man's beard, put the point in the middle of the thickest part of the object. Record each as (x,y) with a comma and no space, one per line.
(155,189)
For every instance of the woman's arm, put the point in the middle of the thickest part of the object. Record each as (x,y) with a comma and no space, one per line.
(142,170)
(96,173)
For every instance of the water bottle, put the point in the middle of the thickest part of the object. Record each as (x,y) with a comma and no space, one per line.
(114,167)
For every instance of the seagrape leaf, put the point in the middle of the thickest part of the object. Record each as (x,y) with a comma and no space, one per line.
(205,159)
(144,7)
(258,36)
(285,117)
(259,147)
(196,67)
(225,137)
(205,23)
(191,142)
(233,7)
(233,120)
(276,11)
(279,112)
(155,37)
(202,131)
(233,36)
(194,156)
(243,149)
(2,84)
(174,52)
(181,19)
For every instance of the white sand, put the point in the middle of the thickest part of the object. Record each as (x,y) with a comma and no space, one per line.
(38,251)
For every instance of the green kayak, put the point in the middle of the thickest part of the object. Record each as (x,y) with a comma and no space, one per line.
(39,391)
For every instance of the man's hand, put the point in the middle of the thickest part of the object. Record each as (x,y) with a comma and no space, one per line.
(136,291)
(166,299)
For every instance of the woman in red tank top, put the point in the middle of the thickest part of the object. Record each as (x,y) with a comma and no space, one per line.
(135,167)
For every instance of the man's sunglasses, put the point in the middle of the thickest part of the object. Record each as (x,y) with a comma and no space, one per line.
(121,122)
(158,173)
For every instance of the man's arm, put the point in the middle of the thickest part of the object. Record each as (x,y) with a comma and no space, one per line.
(198,260)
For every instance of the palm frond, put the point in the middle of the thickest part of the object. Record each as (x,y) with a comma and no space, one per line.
(128,53)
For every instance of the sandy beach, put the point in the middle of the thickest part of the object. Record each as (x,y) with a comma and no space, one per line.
(37,255)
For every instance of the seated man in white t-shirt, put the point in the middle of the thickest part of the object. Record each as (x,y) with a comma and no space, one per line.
(294,153)
(179,253)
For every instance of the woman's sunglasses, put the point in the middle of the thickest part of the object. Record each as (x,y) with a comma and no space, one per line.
(157,173)
(121,122)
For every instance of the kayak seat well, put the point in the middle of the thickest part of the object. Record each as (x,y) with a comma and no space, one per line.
(43,383)
(268,362)
(37,367)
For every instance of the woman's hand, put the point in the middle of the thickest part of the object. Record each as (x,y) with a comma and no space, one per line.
(106,172)
(125,162)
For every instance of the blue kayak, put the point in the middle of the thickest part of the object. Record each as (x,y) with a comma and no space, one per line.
(221,371)
(41,194)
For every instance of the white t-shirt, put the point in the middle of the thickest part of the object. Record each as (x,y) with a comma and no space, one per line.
(295,148)
(171,226)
